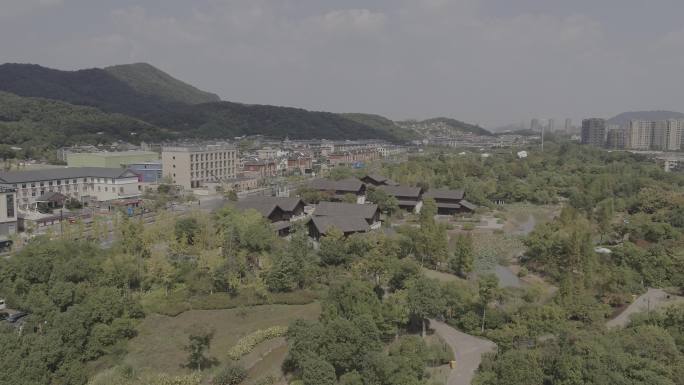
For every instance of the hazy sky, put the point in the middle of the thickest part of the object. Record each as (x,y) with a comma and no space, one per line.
(484,61)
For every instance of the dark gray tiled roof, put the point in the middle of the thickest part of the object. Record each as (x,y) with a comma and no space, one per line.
(266,205)
(345,224)
(381,179)
(329,209)
(264,208)
(468,205)
(402,191)
(444,194)
(351,185)
(63,173)
(403,202)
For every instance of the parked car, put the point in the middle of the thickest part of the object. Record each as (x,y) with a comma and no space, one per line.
(16,316)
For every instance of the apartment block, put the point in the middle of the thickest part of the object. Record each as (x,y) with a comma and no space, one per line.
(194,166)
(594,132)
(8,211)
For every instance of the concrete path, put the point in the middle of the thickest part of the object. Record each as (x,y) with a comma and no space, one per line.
(468,351)
(653,299)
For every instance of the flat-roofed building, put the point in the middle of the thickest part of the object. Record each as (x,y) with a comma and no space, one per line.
(81,183)
(193,166)
(109,159)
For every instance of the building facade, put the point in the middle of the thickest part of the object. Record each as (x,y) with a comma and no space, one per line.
(109,159)
(594,132)
(8,211)
(81,183)
(193,166)
(149,172)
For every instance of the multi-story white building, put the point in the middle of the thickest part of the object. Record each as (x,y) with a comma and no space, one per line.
(8,212)
(639,135)
(81,183)
(194,166)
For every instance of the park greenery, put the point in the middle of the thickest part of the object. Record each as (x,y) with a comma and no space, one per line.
(86,302)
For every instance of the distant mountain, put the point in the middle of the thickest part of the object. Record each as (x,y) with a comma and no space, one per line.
(624,118)
(151,81)
(147,94)
(443,127)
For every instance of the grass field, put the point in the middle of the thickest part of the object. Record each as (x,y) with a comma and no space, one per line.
(159,344)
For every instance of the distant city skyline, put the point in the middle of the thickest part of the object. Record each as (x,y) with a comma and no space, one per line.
(489,62)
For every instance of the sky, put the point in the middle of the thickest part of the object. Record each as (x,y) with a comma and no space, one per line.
(491,62)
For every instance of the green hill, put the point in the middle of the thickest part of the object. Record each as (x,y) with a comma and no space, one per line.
(443,127)
(151,81)
(383,124)
(38,124)
(142,92)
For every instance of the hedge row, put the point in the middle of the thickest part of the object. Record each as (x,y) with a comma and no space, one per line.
(247,343)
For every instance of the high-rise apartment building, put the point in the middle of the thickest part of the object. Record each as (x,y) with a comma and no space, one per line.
(534,125)
(616,137)
(662,135)
(640,135)
(568,125)
(594,132)
(194,166)
(551,126)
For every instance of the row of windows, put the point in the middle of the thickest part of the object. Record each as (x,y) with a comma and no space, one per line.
(199,166)
(66,182)
(201,174)
(211,156)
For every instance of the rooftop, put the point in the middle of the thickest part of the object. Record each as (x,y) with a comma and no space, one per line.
(350,184)
(402,191)
(14,177)
(366,211)
(345,224)
(444,194)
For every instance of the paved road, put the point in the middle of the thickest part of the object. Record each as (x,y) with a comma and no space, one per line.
(653,299)
(468,351)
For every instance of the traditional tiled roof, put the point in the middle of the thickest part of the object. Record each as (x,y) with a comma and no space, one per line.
(366,211)
(350,185)
(437,194)
(402,191)
(266,205)
(344,224)
(468,205)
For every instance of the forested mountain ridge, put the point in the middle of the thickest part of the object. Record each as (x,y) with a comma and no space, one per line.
(151,81)
(443,127)
(624,118)
(37,124)
(145,93)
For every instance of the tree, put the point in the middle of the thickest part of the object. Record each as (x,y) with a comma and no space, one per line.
(461,262)
(232,196)
(487,288)
(333,250)
(232,374)
(186,230)
(349,198)
(424,300)
(198,343)
(318,372)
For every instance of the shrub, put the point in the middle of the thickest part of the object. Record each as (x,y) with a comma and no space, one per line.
(247,343)
(468,227)
(232,374)
(523,272)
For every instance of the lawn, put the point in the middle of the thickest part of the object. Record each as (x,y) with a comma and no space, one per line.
(158,347)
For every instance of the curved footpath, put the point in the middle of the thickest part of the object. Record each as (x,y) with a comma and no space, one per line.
(468,351)
(653,299)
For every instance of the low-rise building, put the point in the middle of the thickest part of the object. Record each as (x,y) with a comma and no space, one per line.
(149,172)
(408,198)
(109,159)
(242,183)
(81,183)
(320,226)
(264,168)
(282,212)
(337,190)
(450,202)
(369,212)
(377,180)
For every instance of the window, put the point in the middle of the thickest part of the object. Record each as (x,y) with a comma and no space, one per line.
(73,181)
(59,183)
(106,189)
(33,193)
(10,206)
(23,185)
(49,183)
(120,190)
(33,185)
